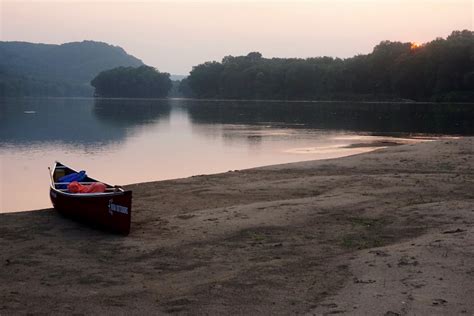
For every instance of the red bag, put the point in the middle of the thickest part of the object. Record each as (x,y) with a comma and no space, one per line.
(76,187)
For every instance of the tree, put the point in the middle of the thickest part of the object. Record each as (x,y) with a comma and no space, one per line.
(204,79)
(129,82)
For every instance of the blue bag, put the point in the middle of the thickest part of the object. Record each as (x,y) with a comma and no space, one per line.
(77,176)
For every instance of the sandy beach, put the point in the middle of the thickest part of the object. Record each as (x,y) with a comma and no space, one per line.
(390,232)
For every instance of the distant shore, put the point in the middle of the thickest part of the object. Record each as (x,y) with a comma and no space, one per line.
(387,232)
(356,101)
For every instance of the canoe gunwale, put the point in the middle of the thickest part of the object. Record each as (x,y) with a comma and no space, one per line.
(87,195)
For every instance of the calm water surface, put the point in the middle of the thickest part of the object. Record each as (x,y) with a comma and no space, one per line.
(129,141)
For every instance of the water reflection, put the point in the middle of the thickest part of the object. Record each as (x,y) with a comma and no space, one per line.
(127,113)
(77,122)
(376,118)
(103,121)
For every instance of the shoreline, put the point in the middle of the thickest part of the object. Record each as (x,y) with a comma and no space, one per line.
(395,101)
(365,143)
(391,230)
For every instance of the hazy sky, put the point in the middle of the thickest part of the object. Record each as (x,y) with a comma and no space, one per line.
(175,35)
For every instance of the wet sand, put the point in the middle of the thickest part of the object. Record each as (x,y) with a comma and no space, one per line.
(389,232)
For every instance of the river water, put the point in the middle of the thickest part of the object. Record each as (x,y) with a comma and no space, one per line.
(122,141)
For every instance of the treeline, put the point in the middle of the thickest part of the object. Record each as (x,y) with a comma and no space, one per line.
(18,85)
(129,82)
(441,70)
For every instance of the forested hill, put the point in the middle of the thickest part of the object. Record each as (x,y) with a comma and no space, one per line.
(57,70)
(441,70)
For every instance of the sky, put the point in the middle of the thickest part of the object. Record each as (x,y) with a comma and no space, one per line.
(175,35)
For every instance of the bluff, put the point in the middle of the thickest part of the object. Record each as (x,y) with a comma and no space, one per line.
(29,69)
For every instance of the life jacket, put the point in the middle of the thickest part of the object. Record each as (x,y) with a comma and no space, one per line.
(96,187)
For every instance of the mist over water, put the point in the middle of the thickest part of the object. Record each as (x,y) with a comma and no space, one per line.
(130,141)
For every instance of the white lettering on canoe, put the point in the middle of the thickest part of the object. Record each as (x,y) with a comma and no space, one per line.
(117,208)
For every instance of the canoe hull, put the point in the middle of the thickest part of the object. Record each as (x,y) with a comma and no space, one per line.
(111,211)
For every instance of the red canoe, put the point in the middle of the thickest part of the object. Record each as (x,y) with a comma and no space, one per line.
(110,210)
